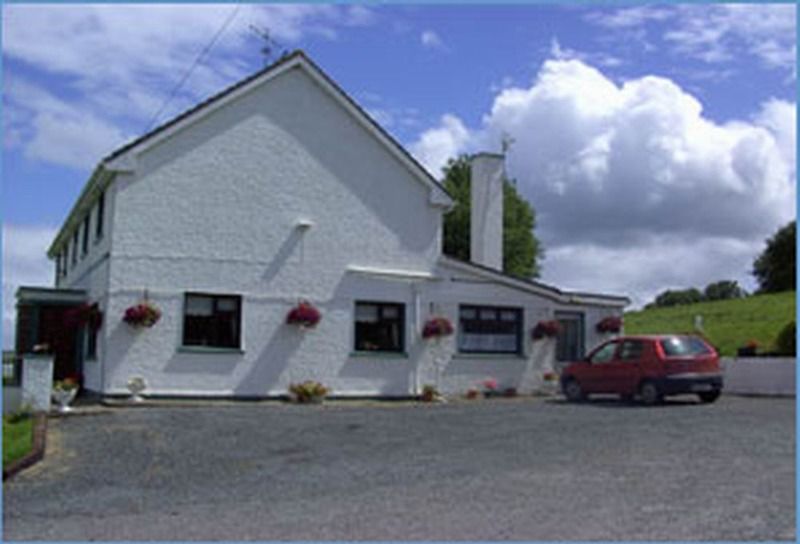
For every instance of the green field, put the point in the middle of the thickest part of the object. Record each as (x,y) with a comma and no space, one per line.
(17,439)
(729,324)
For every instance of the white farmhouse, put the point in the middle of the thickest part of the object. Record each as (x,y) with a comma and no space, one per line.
(281,189)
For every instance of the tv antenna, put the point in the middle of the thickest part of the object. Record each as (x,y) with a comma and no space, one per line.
(269,44)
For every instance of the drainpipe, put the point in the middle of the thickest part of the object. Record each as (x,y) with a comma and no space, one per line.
(416,333)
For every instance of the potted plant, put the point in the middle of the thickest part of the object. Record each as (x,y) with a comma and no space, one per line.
(136,385)
(144,314)
(308,392)
(611,324)
(472,393)
(549,382)
(437,327)
(304,315)
(490,387)
(64,392)
(430,393)
(546,329)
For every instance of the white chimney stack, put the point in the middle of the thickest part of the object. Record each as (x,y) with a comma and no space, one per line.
(486,214)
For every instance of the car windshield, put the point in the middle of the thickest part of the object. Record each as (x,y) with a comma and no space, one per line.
(682,346)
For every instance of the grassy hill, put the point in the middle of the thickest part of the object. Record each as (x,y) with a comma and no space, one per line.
(729,324)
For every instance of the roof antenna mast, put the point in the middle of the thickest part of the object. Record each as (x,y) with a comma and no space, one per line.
(269,44)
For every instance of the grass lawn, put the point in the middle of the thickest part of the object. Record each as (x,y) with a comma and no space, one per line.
(17,439)
(729,324)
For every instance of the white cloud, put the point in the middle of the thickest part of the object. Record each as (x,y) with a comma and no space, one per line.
(716,33)
(24,263)
(431,40)
(436,145)
(115,64)
(597,58)
(618,173)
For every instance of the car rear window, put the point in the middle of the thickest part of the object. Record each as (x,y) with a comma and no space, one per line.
(682,346)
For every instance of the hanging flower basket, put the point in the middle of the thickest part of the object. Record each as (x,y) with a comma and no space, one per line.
(144,314)
(610,324)
(84,315)
(437,327)
(304,315)
(546,329)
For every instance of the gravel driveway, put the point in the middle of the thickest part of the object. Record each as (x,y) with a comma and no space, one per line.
(525,469)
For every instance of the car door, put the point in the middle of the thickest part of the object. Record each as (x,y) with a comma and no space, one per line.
(621,374)
(594,378)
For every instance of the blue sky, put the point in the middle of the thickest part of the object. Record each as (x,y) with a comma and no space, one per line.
(636,126)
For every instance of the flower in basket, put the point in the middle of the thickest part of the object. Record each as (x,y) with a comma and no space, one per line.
(69,383)
(547,329)
(308,391)
(437,327)
(612,324)
(144,314)
(304,314)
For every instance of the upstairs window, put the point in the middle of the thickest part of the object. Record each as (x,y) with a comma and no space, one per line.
(212,320)
(379,326)
(98,227)
(75,247)
(85,243)
(490,329)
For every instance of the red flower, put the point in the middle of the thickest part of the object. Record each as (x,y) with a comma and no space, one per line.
(436,327)
(143,314)
(546,329)
(610,324)
(304,314)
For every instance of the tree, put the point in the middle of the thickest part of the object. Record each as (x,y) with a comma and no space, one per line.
(676,298)
(723,290)
(521,250)
(775,267)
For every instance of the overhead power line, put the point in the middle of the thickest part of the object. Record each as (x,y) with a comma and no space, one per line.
(197,60)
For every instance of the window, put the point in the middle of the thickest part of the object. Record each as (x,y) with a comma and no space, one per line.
(683,346)
(64,259)
(85,242)
(379,326)
(74,248)
(211,320)
(631,350)
(604,354)
(569,343)
(487,329)
(98,227)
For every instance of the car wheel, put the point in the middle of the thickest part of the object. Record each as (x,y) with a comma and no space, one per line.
(650,394)
(573,391)
(709,396)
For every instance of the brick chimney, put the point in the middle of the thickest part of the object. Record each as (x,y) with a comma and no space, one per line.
(487,173)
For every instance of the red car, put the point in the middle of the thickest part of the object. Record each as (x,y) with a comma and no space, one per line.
(651,367)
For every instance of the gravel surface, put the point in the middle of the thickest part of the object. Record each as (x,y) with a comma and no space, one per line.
(522,469)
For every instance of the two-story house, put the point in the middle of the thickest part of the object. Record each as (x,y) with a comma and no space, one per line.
(280,189)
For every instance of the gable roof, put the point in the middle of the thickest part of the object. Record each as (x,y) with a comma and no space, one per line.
(116,160)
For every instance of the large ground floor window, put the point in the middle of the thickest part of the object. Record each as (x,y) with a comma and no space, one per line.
(379,326)
(212,320)
(489,329)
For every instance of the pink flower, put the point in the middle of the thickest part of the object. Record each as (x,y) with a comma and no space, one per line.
(304,314)
(437,327)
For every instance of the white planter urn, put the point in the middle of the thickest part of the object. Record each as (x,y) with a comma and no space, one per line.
(63,398)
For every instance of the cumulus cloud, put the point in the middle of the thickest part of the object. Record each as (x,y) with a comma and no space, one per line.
(633,176)
(436,145)
(24,263)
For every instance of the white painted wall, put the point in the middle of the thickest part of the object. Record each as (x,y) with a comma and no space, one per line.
(215,209)
(760,376)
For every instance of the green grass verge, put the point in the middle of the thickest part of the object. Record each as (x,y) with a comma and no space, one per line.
(17,439)
(729,324)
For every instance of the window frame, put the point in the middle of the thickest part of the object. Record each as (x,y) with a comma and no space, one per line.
(85,239)
(381,304)
(75,248)
(100,216)
(215,297)
(520,327)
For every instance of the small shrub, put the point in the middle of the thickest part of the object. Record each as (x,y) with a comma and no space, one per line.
(472,393)
(786,341)
(308,391)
